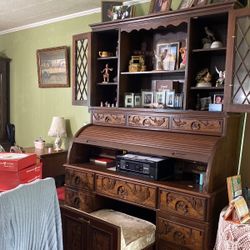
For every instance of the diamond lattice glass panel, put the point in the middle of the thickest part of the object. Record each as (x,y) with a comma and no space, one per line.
(81,71)
(241,80)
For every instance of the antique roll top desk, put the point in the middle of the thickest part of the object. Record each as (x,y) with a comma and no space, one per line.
(199,142)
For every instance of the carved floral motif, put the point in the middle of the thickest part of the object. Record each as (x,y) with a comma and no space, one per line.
(184,205)
(214,126)
(115,119)
(126,190)
(148,121)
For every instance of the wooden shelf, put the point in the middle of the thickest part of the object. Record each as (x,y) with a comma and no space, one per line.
(107,58)
(222,49)
(107,83)
(179,71)
(207,88)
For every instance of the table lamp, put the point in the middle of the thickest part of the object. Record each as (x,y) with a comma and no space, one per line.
(57,129)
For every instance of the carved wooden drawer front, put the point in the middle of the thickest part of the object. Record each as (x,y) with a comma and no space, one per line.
(108,119)
(195,125)
(80,200)
(186,205)
(181,235)
(147,121)
(79,179)
(136,193)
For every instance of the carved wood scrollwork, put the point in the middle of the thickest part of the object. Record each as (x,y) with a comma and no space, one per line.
(184,205)
(180,235)
(80,179)
(214,126)
(126,190)
(148,121)
(113,119)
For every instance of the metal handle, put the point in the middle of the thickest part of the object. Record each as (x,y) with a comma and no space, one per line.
(83,220)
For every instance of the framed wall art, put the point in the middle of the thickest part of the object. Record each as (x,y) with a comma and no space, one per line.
(200,2)
(159,6)
(52,67)
(107,9)
(184,4)
(168,55)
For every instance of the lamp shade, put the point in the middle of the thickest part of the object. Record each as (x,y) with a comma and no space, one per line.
(57,127)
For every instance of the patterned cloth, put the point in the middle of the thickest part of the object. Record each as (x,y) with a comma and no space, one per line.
(30,217)
(232,236)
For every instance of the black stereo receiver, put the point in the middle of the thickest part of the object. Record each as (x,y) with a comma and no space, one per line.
(146,166)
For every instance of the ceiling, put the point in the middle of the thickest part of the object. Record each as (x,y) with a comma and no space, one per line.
(19,14)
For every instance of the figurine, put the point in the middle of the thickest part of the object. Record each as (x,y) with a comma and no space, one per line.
(105,72)
(221,79)
(183,52)
(204,78)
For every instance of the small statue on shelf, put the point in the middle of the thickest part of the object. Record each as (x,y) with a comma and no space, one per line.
(204,78)
(210,41)
(221,79)
(105,72)
(183,52)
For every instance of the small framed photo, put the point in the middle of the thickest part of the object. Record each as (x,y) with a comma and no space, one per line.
(159,6)
(147,98)
(129,100)
(137,100)
(200,2)
(218,99)
(205,101)
(53,67)
(160,97)
(184,4)
(122,11)
(170,98)
(107,9)
(167,55)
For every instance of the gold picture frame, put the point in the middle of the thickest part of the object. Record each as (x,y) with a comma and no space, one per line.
(52,67)
(159,6)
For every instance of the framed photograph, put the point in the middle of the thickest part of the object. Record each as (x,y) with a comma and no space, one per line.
(122,11)
(107,9)
(52,67)
(200,2)
(147,98)
(218,98)
(159,6)
(184,4)
(129,100)
(170,98)
(160,97)
(137,100)
(205,101)
(168,54)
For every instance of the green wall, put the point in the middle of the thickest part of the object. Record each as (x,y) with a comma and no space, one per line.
(31,107)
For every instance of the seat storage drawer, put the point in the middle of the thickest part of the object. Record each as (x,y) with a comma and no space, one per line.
(80,200)
(180,235)
(183,204)
(79,179)
(134,192)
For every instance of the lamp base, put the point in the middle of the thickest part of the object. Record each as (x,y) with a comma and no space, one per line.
(58,143)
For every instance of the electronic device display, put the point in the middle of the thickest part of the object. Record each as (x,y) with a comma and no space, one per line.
(146,166)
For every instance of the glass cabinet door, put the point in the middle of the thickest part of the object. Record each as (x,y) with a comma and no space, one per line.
(238,62)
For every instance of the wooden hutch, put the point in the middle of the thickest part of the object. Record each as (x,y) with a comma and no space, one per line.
(185,213)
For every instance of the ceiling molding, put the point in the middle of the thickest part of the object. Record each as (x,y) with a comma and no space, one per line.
(66,17)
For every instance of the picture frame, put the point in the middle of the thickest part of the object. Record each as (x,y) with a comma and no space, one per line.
(170,95)
(218,98)
(122,11)
(107,9)
(168,54)
(200,3)
(147,98)
(53,67)
(160,97)
(159,6)
(205,101)
(184,4)
(137,100)
(129,100)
